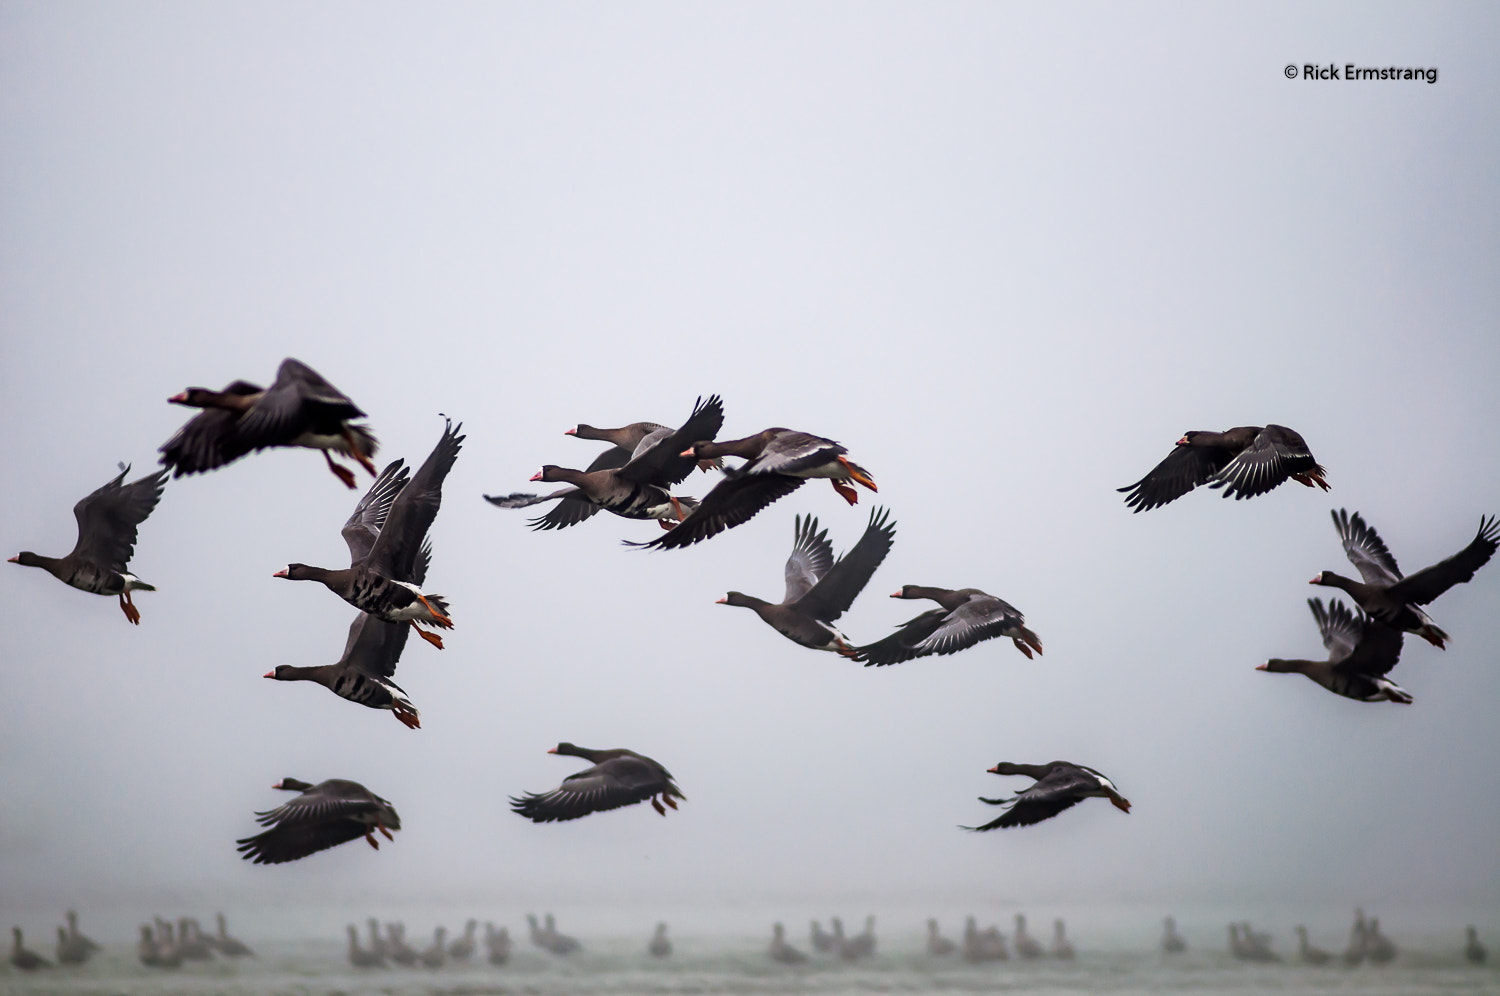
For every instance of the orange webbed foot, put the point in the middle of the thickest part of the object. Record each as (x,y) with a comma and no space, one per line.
(408,719)
(665,524)
(846,492)
(370,839)
(668,800)
(677,507)
(128,607)
(657,806)
(1021,646)
(354,451)
(385,832)
(858,474)
(438,619)
(432,638)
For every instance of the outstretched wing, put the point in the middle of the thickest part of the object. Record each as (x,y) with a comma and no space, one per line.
(1366,550)
(622,781)
(1275,454)
(905,643)
(793,452)
(395,551)
(1337,624)
(836,591)
(1430,582)
(370,514)
(108,517)
(1184,469)
(812,556)
(658,460)
(300,396)
(208,439)
(732,502)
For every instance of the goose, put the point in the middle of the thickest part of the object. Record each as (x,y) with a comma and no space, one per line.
(299,409)
(396,948)
(1309,954)
(358,956)
(384,557)
(819,589)
(107,520)
(77,938)
(1026,946)
(462,949)
(619,777)
(497,944)
(1245,461)
(1061,948)
(323,816)
(168,950)
(1474,952)
(659,946)
(69,953)
(1172,942)
(148,951)
(1059,785)
(820,939)
(437,954)
(781,951)
(983,945)
(967,616)
(1379,948)
(938,946)
(1361,652)
(377,943)
(559,943)
(1392,599)
(1255,946)
(1358,940)
(191,942)
(862,944)
(638,489)
(777,462)
(233,948)
(23,958)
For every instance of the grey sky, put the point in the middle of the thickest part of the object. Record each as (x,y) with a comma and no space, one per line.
(1006,254)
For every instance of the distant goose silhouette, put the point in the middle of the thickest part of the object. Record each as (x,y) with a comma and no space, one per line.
(659,946)
(938,946)
(233,948)
(497,944)
(1171,941)
(462,948)
(1309,954)
(1059,785)
(1061,948)
(821,940)
(1026,946)
(781,951)
(1474,952)
(437,954)
(23,958)
(358,956)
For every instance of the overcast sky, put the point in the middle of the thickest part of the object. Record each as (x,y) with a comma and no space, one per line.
(1007,254)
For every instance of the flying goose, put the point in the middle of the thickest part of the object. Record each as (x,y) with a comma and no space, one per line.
(299,409)
(967,616)
(325,815)
(619,777)
(1059,785)
(1245,461)
(107,521)
(1361,652)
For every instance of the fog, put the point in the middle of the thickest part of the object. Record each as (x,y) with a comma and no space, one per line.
(1006,254)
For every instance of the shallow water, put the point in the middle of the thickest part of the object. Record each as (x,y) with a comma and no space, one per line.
(739,966)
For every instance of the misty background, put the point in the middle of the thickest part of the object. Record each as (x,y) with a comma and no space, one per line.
(1006,254)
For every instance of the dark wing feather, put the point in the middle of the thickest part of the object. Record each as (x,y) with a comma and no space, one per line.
(1184,469)
(836,591)
(662,463)
(981,618)
(732,502)
(1275,454)
(300,399)
(622,781)
(792,452)
(812,556)
(108,517)
(1365,549)
(905,643)
(1062,788)
(324,816)
(1376,652)
(207,440)
(290,842)
(1337,624)
(1430,582)
(394,554)
(369,515)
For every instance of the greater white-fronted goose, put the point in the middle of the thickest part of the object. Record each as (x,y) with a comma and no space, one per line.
(325,815)
(983,945)
(637,489)
(1308,954)
(462,948)
(818,589)
(168,951)
(299,409)
(659,946)
(107,521)
(191,942)
(1061,947)
(558,942)
(360,957)
(573,507)
(1027,947)
(968,616)
(22,957)
(777,462)
(436,954)
(1059,785)
(861,945)
(396,948)
(385,553)
(1245,461)
(69,953)
(821,940)
(619,777)
(938,946)
(1361,652)
(77,939)
(1246,945)
(1393,599)
(1378,948)
(1474,951)
(1358,940)
(233,948)
(496,944)
(781,951)
(1171,941)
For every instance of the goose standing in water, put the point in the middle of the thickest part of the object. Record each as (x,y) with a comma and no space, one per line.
(862,944)
(382,564)
(967,616)
(437,954)
(1378,947)
(1309,954)
(233,948)
(1171,941)
(1474,952)
(1361,652)
(1061,948)
(377,943)
(23,958)
(1358,940)
(396,948)
(938,946)
(69,953)
(462,949)
(659,946)
(557,942)
(1245,461)
(107,520)
(359,957)
(777,462)
(1026,946)
(819,589)
(821,940)
(77,938)
(1059,785)
(1393,599)
(300,409)
(325,815)
(638,489)
(496,944)
(781,951)
(618,778)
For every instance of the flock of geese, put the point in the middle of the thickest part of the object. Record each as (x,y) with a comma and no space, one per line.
(162,944)
(390,555)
